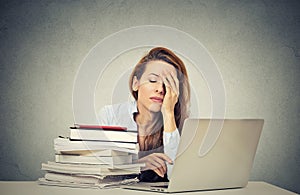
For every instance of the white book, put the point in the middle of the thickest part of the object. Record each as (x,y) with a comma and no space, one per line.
(103,135)
(96,170)
(62,177)
(64,144)
(115,160)
(95,166)
(101,185)
(85,179)
(105,152)
(44,181)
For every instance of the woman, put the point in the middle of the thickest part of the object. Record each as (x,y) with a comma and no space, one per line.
(159,84)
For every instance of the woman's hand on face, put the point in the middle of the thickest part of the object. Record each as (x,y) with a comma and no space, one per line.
(171,83)
(156,162)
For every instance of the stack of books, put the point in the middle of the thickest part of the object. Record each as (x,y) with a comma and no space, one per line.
(94,157)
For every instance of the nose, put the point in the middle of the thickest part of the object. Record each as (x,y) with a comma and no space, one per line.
(161,88)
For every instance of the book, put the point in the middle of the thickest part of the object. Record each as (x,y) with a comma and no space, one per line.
(44,181)
(72,181)
(95,170)
(105,152)
(65,144)
(62,158)
(95,166)
(94,157)
(87,179)
(101,127)
(103,135)
(63,177)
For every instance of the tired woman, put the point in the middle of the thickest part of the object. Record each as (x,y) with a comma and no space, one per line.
(159,84)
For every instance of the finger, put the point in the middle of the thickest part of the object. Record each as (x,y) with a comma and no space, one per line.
(176,81)
(162,165)
(161,170)
(162,158)
(153,161)
(167,86)
(159,163)
(170,79)
(158,172)
(149,163)
(149,166)
(165,157)
(165,80)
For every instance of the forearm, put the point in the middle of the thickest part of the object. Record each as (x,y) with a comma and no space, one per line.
(169,122)
(171,142)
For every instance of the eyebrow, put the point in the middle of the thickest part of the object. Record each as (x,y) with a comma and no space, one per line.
(153,74)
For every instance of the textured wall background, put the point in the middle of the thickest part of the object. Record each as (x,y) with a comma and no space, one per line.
(255,44)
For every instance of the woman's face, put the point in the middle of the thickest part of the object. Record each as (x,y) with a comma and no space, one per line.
(151,90)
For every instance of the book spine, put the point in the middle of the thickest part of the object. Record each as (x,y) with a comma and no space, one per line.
(93,135)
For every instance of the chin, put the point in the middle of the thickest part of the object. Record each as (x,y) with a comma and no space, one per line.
(155,108)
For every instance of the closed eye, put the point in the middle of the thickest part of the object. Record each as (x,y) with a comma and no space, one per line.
(153,78)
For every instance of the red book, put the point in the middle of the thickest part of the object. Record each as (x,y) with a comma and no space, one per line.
(99,127)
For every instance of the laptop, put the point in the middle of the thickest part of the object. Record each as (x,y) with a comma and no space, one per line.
(226,164)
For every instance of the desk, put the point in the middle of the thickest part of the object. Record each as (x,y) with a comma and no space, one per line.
(32,188)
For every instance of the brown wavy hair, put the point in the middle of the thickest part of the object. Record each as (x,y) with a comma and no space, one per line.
(181,109)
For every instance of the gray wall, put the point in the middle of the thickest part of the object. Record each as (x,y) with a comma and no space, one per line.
(256,45)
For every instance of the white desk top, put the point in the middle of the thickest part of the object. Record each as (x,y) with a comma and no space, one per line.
(32,188)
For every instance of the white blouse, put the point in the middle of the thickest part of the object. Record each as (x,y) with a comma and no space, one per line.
(122,115)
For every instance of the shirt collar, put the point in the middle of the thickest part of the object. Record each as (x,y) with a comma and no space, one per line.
(132,109)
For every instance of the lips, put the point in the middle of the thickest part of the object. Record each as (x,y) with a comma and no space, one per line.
(157,99)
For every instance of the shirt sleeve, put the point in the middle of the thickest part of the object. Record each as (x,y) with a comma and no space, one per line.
(171,142)
(104,116)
